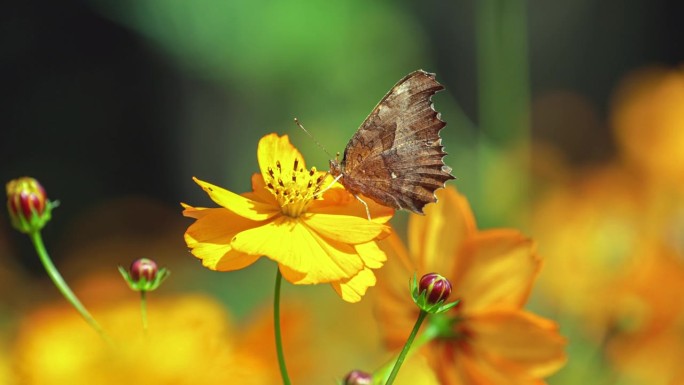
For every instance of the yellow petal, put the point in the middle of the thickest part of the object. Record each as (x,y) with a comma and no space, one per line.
(494,267)
(345,228)
(274,149)
(193,212)
(259,192)
(434,238)
(247,208)
(209,239)
(371,254)
(290,243)
(518,340)
(338,201)
(354,288)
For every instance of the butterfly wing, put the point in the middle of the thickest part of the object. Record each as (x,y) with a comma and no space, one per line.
(396,155)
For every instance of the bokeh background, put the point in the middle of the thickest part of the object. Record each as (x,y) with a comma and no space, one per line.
(565,119)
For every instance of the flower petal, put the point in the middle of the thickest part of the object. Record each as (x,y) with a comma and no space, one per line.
(454,367)
(396,310)
(345,228)
(244,207)
(338,201)
(436,236)
(519,341)
(417,371)
(371,254)
(209,238)
(273,149)
(495,267)
(290,243)
(193,212)
(259,192)
(354,288)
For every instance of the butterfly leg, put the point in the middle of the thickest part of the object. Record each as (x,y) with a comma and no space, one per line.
(365,205)
(329,186)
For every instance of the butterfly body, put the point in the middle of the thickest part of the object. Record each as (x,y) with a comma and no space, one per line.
(396,156)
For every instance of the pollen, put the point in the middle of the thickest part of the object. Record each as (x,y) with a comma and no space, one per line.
(293,187)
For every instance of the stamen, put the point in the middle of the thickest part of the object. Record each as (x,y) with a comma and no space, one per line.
(294,189)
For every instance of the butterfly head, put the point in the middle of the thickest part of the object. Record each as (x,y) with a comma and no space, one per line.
(335,166)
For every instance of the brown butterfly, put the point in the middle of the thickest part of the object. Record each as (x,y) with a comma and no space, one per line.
(396,156)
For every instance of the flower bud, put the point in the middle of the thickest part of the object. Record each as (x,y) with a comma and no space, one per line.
(143,275)
(143,268)
(357,377)
(28,205)
(431,293)
(437,288)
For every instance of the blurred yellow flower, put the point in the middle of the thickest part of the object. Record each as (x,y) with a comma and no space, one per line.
(315,234)
(645,341)
(191,340)
(494,341)
(589,230)
(647,118)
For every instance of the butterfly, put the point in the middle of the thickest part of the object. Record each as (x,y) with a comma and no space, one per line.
(396,155)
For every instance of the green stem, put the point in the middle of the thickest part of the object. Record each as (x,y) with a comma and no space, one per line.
(62,285)
(503,99)
(407,347)
(429,333)
(278,336)
(143,309)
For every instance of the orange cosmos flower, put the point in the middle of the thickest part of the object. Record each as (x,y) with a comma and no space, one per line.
(647,119)
(647,319)
(191,340)
(316,234)
(491,338)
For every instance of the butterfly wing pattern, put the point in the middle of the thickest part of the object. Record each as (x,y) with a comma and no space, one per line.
(396,156)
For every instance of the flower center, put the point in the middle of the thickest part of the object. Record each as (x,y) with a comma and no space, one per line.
(294,188)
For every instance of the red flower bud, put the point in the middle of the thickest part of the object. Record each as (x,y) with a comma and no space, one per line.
(437,287)
(27,204)
(143,268)
(357,377)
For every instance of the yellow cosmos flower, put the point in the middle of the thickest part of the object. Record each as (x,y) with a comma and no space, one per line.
(493,339)
(316,234)
(645,340)
(192,340)
(646,113)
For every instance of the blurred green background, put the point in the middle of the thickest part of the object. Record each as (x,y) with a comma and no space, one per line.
(115,105)
(138,96)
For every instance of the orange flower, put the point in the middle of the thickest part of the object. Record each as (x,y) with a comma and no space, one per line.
(315,235)
(644,343)
(492,339)
(647,119)
(191,340)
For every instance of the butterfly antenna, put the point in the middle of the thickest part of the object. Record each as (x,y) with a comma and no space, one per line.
(312,137)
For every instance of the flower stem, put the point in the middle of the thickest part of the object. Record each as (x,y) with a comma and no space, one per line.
(62,285)
(278,336)
(143,309)
(407,347)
